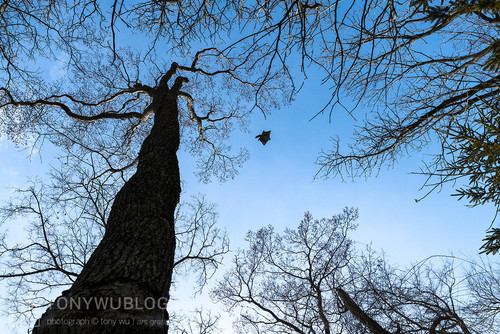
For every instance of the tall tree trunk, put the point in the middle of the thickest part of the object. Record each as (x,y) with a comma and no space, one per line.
(124,287)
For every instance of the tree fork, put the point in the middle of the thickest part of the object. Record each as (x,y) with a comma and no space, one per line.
(124,286)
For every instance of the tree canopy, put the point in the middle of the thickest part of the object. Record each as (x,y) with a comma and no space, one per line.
(102,82)
(388,56)
(313,278)
(426,70)
(110,106)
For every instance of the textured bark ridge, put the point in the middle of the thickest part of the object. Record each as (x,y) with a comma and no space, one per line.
(125,285)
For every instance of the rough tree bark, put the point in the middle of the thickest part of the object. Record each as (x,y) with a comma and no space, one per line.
(124,286)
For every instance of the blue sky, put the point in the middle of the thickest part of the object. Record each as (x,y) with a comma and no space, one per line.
(276,186)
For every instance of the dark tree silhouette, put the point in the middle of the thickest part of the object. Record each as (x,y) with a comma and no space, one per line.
(62,238)
(286,283)
(103,81)
(311,279)
(72,76)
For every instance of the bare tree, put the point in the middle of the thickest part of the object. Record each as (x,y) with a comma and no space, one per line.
(64,228)
(112,106)
(201,245)
(312,280)
(113,110)
(286,283)
(199,322)
(423,69)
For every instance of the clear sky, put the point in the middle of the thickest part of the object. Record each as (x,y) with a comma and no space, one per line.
(276,186)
